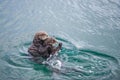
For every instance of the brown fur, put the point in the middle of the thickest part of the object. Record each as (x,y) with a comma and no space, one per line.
(50,41)
(43,45)
(39,38)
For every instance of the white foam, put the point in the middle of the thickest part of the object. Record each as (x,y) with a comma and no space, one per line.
(56,64)
(53,62)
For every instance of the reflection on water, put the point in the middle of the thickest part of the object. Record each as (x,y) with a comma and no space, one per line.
(88,29)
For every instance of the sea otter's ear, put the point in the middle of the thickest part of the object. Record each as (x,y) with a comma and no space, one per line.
(41,35)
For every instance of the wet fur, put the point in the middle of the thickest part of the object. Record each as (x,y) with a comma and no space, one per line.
(43,48)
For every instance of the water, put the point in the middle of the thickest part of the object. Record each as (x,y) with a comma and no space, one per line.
(88,29)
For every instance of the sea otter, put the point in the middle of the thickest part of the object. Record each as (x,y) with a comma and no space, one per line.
(42,45)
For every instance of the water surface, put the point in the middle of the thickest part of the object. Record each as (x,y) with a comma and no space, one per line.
(88,29)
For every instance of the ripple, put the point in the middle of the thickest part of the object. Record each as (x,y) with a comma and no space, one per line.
(19,57)
(16,62)
(87,64)
(78,64)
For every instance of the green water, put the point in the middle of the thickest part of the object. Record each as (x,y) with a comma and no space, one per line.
(88,29)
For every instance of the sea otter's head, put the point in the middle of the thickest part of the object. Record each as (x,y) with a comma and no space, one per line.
(42,35)
(50,41)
